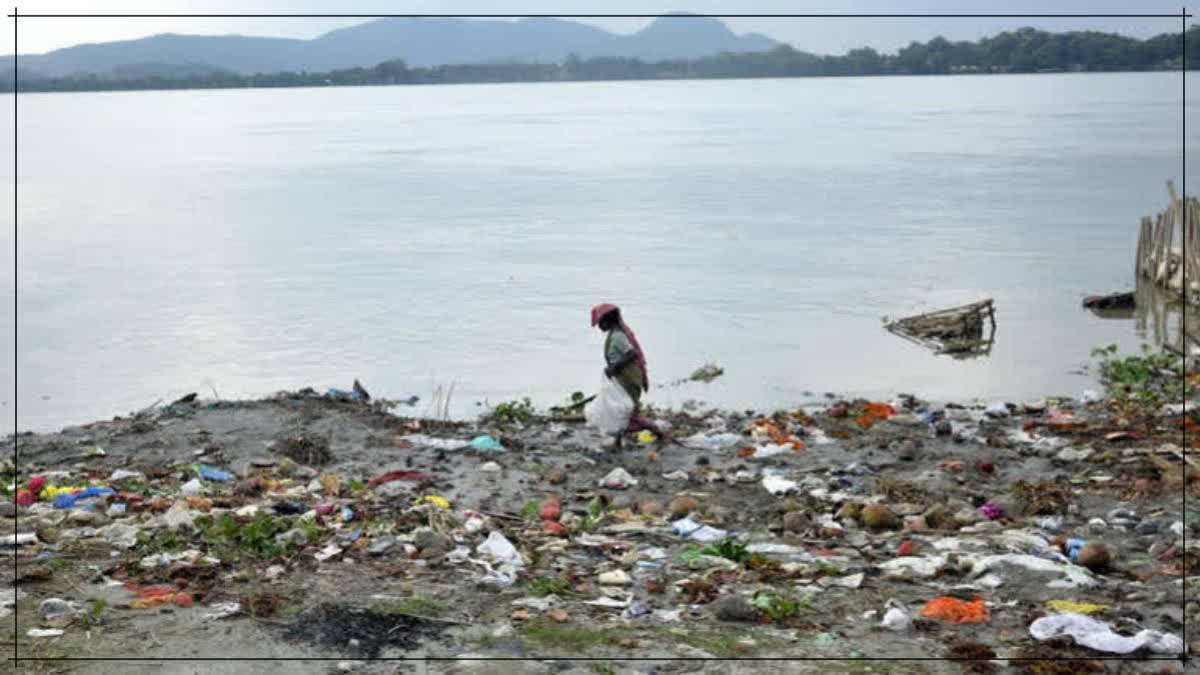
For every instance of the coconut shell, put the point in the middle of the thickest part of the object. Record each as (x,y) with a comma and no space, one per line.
(879,517)
(850,510)
(650,508)
(681,506)
(1094,556)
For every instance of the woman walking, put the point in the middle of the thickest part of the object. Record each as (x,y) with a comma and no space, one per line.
(627,365)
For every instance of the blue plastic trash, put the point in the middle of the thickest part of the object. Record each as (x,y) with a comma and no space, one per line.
(347,514)
(209,473)
(66,501)
(1073,546)
(344,393)
(486,443)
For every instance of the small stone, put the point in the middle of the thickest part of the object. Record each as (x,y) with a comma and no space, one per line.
(53,608)
(733,608)
(489,467)
(614,578)
(943,428)
(939,517)
(426,539)
(682,506)
(179,517)
(796,521)
(557,477)
(557,614)
(381,545)
(967,516)
(250,487)
(83,517)
(1147,527)
(293,536)
(119,535)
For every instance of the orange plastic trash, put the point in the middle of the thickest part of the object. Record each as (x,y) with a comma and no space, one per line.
(953,610)
(1064,420)
(149,596)
(873,412)
(765,427)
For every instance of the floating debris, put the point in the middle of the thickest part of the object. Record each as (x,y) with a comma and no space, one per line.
(957,331)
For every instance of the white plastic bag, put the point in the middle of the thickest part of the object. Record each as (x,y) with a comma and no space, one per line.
(611,409)
(1099,635)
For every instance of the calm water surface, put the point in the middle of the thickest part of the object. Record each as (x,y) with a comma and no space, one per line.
(256,240)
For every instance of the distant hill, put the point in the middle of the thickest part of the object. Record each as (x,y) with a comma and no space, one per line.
(418,41)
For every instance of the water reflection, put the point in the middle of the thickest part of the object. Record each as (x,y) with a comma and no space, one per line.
(1159,318)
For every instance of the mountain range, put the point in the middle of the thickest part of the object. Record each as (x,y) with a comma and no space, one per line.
(419,41)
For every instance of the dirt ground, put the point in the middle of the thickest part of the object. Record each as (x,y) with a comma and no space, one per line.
(674,607)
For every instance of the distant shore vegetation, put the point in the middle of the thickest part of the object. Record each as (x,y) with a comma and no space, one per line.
(1026,50)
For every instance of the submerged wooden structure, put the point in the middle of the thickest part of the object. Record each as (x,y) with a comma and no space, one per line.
(957,331)
(1167,270)
(1172,267)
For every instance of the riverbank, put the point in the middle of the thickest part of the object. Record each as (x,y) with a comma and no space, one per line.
(313,526)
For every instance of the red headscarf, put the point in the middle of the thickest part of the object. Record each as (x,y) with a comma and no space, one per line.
(604,308)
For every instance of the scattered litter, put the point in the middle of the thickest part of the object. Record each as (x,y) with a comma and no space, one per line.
(896,618)
(1070,606)
(223,610)
(486,443)
(953,610)
(1093,634)
(618,478)
(209,473)
(697,531)
(777,485)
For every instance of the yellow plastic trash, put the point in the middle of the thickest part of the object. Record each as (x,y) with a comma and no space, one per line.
(331,484)
(432,499)
(49,492)
(1076,607)
(645,437)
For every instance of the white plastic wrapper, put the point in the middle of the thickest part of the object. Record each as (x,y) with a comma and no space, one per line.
(500,549)
(1098,635)
(610,411)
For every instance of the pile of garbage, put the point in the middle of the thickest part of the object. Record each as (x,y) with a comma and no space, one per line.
(1015,529)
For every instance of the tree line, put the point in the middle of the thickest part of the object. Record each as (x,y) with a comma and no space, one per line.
(1026,50)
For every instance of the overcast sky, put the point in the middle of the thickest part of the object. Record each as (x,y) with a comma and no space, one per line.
(820,35)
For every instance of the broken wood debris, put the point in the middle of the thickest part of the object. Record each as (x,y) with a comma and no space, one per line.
(957,331)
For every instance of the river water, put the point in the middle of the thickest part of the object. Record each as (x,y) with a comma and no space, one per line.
(240,242)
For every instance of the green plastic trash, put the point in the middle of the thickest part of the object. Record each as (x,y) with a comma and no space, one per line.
(486,443)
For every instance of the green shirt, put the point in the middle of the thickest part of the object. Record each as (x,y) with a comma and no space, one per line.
(617,346)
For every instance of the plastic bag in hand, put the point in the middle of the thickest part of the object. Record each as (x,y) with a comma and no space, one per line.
(611,409)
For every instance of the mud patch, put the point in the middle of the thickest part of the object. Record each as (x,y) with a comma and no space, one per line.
(1056,657)
(308,449)
(360,632)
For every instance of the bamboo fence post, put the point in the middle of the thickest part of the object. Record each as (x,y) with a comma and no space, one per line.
(1141,245)
(1156,249)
